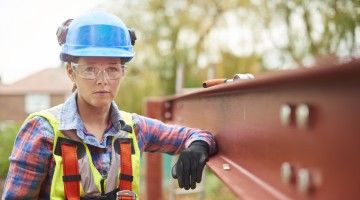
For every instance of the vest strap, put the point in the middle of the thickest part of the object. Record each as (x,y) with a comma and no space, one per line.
(80,149)
(108,196)
(126,177)
(125,182)
(126,195)
(117,146)
(72,178)
(71,171)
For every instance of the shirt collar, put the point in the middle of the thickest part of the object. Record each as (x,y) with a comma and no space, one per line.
(115,117)
(70,118)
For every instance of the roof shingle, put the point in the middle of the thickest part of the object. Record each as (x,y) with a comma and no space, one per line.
(50,81)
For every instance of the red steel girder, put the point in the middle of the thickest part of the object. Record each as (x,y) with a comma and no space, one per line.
(284,135)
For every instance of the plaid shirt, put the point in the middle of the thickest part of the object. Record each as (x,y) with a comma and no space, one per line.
(31,161)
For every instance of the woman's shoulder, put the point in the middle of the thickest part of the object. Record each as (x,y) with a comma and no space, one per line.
(39,123)
(47,128)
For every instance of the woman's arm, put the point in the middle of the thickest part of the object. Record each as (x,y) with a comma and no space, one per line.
(29,160)
(154,135)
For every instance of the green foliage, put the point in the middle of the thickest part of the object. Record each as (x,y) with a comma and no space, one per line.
(229,36)
(136,86)
(7,135)
(214,187)
(265,35)
(235,65)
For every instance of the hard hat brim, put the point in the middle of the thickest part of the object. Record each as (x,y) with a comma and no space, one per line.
(101,52)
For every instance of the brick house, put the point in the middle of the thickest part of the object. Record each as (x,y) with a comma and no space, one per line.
(38,91)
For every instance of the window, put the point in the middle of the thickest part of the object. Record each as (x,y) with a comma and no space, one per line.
(36,102)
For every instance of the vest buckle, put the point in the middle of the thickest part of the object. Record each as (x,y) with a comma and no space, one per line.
(126,193)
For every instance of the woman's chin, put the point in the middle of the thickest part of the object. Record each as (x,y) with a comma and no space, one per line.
(101,102)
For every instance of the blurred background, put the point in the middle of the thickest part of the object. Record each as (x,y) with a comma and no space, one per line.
(180,44)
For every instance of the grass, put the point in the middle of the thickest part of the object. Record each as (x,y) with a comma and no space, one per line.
(7,134)
(214,189)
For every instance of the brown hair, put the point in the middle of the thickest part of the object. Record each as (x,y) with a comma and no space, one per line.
(74,88)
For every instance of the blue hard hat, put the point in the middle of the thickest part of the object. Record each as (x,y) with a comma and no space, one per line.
(98,34)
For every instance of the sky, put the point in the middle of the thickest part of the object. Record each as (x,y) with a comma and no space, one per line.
(28,40)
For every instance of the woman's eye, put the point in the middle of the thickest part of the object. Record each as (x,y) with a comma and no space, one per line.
(90,69)
(113,69)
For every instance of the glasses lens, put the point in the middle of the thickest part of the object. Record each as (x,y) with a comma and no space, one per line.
(112,72)
(88,72)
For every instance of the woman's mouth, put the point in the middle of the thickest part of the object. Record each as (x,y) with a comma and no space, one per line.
(102,92)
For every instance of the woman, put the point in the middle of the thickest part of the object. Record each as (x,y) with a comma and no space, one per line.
(86,148)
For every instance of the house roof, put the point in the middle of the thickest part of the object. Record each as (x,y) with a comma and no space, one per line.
(49,81)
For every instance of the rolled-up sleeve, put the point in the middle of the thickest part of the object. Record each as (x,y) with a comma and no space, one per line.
(29,160)
(154,135)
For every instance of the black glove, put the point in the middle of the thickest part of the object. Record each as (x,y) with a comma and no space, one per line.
(188,169)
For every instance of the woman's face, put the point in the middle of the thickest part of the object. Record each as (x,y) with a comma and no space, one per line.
(97,80)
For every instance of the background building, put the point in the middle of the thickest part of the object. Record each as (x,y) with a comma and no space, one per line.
(38,91)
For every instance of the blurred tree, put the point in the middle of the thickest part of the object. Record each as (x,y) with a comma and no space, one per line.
(237,36)
(313,28)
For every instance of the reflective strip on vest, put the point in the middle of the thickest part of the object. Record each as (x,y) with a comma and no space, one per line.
(90,177)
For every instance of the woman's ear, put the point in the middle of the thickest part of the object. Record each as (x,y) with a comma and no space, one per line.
(70,71)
